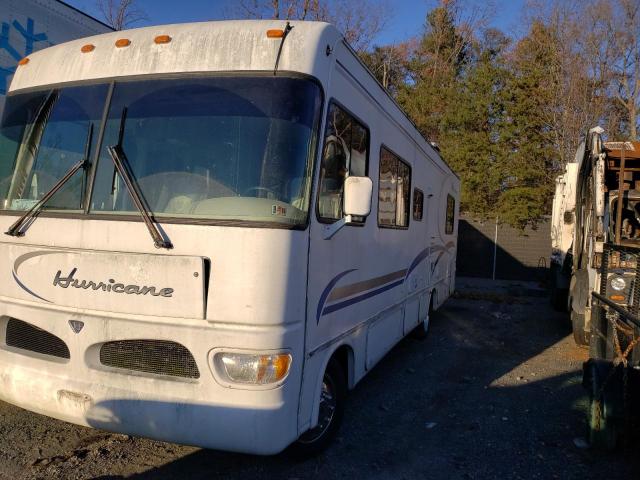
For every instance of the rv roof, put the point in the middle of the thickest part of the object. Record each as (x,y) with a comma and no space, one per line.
(192,47)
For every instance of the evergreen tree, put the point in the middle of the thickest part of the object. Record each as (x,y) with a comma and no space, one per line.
(470,130)
(433,71)
(532,160)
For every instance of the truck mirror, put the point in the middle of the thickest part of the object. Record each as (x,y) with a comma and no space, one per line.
(357,196)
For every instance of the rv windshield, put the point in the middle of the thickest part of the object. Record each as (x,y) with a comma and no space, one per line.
(43,134)
(208,148)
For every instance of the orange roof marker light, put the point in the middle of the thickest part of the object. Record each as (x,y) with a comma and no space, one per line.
(24,61)
(88,48)
(123,42)
(160,39)
(275,33)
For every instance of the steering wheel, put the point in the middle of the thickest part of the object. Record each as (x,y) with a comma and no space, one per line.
(260,189)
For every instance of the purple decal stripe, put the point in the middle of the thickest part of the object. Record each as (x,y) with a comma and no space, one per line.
(360,298)
(421,256)
(321,311)
(327,291)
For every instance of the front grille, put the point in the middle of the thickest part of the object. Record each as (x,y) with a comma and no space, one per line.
(25,336)
(159,357)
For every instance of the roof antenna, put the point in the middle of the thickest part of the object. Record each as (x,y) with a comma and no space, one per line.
(286,31)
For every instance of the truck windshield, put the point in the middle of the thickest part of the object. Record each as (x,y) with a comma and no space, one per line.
(208,148)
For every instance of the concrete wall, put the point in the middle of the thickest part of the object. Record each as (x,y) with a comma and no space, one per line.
(520,255)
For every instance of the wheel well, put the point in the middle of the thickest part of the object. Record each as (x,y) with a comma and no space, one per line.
(344,356)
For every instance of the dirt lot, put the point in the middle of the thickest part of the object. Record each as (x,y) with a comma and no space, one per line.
(494,392)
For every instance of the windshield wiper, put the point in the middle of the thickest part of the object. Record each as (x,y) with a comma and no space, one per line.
(122,166)
(19,228)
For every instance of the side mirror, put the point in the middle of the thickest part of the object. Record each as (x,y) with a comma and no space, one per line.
(357,203)
(357,196)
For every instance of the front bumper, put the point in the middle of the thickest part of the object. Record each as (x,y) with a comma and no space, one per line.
(199,412)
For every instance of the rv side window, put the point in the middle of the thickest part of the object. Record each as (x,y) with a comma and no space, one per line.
(451,209)
(418,204)
(394,191)
(346,148)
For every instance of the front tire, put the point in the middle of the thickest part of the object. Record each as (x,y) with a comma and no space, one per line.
(603,426)
(580,336)
(332,401)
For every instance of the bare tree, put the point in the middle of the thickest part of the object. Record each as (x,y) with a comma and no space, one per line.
(626,69)
(614,43)
(573,79)
(358,20)
(120,14)
(389,63)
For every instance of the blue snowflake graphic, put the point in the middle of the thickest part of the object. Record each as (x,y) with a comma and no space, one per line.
(30,37)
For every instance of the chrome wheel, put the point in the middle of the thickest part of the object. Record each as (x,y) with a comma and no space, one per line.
(326,412)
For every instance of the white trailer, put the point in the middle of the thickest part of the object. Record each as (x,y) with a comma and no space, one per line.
(30,25)
(562,226)
(213,231)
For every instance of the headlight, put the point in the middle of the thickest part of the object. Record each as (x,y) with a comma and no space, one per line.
(618,283)
(253,369)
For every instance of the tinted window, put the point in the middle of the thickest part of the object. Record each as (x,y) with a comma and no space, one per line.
(394,198)
(451,211)
(345,153)
(418,204)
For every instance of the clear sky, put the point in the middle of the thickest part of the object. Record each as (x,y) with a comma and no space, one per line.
(406,20)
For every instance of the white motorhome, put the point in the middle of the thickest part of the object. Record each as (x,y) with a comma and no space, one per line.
(213,231)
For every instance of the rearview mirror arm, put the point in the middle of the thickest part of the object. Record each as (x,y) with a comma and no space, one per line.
(330,230)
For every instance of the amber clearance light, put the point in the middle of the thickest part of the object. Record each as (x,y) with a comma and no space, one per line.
(617,298)
(275,33)
(24,61)
(123,42)
(88,48)
(160,39)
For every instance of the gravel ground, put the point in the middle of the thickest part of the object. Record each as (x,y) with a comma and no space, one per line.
(493,392)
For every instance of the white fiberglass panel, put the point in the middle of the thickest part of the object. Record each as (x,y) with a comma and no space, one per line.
(159,285)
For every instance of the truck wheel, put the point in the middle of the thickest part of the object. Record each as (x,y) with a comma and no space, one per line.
(332,400)
(603,432)
(421,330)
(577,324)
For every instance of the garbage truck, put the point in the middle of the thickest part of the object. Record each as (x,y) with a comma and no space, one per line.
(595,263)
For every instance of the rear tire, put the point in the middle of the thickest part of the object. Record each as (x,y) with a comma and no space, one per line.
(580,336)
(332,401)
